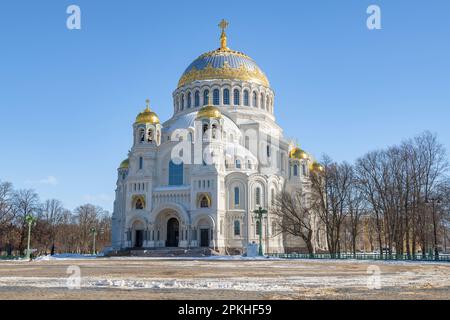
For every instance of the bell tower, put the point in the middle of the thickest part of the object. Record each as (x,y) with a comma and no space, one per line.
(147,128)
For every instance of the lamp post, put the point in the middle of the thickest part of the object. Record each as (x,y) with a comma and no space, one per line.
(259,214)
(30,220)
(433,202)
(94,234)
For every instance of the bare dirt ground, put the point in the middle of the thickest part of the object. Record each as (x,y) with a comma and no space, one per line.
(116,278)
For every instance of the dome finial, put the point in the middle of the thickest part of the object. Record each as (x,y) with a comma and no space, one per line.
(223,38)
(147,102)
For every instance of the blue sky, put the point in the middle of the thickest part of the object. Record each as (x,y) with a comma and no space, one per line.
(68,98)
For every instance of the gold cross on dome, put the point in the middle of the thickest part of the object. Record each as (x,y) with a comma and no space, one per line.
(147,101)
(223,24)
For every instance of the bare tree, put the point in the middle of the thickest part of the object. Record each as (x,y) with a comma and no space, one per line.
(87,217)
(51,215)
(330,191)
(25,202)
(294,217)
(7,215)
(356,206)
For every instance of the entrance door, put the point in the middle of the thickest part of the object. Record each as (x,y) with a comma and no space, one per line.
(139,239)
(172,233)
(204,237)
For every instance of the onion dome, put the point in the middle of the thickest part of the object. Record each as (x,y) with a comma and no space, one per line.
(317,167)
(297,153)
(223,63)
(124,164)
(209,112)
(147,116)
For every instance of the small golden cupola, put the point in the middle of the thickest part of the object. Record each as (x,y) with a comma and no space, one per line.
(147,116)
(209,112)
(124,164)
(297,153)
(316,167)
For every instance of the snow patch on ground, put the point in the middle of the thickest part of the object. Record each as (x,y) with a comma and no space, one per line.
(66,256)
(256,284)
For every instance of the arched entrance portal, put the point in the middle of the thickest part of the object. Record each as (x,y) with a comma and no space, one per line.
(173,230)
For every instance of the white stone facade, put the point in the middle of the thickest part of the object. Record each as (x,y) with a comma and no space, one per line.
(158,204)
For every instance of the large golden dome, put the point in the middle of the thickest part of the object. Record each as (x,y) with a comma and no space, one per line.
(147,116)
(223,63)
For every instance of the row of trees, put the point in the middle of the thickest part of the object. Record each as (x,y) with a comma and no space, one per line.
(396,199)
(56,229)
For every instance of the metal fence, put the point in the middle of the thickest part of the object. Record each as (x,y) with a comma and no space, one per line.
(363,256)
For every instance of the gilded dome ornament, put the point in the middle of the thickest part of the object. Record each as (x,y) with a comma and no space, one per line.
(223,37)
(147,116)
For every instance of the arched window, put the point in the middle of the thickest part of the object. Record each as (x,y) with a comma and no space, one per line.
(249,164)
(238,164)
(197,99)
(150,135)
(205,127)
(295,170)
(175,174)
(189,100)
(246,99)
(226,96)
(182,102)
(303,169)
(141,135)
(236,196)
(237,228)
(214,130)
(237,99)
(257,227)
(258,196)
(272,196)
(263,106)
(255,100)
(268,103)
(204,202)
(216,97)
(141,163)
(205,97)
(247,142)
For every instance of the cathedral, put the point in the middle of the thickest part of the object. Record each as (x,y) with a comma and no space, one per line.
(197,179)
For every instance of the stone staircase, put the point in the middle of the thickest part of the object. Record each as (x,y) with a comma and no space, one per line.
(163,252)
